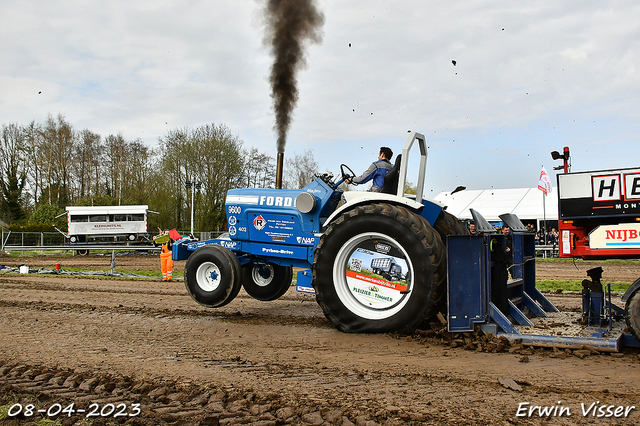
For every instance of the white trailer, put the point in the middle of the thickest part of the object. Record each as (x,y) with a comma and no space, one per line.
(117,222)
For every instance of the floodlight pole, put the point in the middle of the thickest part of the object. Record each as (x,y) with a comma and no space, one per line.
(193,193)
(193,185)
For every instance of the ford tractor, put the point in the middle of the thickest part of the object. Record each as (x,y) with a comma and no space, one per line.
(332,236)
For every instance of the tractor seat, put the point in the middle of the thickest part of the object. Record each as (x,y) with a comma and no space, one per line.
(390,185)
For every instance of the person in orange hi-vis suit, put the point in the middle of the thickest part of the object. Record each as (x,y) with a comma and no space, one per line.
(166,261)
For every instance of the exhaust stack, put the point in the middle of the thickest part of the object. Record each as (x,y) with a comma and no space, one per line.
(279,169)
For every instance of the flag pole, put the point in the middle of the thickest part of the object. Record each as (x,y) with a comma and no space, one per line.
(544,216)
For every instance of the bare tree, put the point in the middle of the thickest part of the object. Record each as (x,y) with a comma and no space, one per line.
(59,166)
(32,143)
(259,169)
(57,151)
(116,160)
(88,164)
(139,172)
(300,170)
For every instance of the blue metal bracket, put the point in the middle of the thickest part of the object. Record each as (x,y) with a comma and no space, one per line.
(500,319)
(518,316)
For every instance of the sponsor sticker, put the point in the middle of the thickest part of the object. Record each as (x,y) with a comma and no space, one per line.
(377,279)
(383,248)
(259,223)
(305,240)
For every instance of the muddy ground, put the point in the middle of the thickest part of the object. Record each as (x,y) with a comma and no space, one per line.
(125,342)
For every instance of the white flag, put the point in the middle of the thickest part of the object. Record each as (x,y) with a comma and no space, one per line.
(544,184)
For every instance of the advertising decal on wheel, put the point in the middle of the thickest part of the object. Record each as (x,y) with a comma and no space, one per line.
(375,280)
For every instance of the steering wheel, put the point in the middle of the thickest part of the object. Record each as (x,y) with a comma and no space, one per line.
(346,175)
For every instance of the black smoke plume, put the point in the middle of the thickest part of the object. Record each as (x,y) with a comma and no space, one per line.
(290,23)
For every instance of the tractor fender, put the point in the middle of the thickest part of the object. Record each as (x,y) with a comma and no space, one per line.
(632,289)
(356,198)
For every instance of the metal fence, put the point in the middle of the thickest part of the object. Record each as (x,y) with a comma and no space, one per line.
(549,250)
(31,239)
(39,240)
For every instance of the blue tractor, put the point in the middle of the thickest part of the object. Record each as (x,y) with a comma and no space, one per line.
(329,234)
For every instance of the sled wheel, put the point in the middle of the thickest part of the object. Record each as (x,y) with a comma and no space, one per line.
(266,281)
(82,252)
(448,224)
(212,276)
(73,239)
(352,299)
(131,237)
(632,314)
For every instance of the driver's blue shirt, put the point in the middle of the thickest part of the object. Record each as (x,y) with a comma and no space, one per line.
(376,171)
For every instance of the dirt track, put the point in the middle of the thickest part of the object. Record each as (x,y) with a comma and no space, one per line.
(83,340)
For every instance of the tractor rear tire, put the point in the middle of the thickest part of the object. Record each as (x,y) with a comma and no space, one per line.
(266,282)
(212,276)
(448,224)
(632,314)
(357,302)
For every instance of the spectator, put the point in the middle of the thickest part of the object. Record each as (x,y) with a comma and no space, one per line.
(508,248)
(542,234)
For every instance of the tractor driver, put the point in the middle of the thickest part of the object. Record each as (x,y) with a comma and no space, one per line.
(376,171)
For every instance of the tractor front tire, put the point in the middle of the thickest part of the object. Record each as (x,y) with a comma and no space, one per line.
(266,282)
(212,276)
(632,314)
(352,298)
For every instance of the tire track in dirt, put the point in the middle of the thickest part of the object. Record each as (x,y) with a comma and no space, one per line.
(159,401)
(230,317)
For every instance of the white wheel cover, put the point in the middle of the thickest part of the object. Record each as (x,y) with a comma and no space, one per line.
(208,276)
(363,292)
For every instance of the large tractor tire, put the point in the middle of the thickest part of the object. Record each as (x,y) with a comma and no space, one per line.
(632,314)
(212,276)
(448,224)
(356,302)
(266,282)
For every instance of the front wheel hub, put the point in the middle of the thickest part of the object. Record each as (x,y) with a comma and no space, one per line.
(208,276)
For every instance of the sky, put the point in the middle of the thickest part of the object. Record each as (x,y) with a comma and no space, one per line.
(529,78)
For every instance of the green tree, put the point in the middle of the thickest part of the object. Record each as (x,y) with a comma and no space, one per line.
(48,214)
(210,154)
(13,173)
(219,173)
(410,188)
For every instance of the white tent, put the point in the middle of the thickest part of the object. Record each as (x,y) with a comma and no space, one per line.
(527,203)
